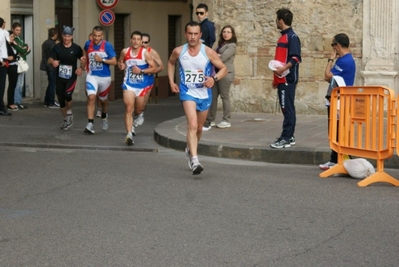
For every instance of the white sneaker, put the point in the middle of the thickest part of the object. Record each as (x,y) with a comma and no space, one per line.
(224,124)
(89,128)
(327,165)
(104,123)
(205,129)
(98,113)
(196,167)
(69,120)
(213,124)
(139,119)
(129,139)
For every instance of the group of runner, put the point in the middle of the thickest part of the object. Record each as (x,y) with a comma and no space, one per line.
(140,63)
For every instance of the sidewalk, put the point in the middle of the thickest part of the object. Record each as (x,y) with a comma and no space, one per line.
(249,138)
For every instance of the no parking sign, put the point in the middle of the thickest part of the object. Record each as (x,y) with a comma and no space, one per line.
(106,17)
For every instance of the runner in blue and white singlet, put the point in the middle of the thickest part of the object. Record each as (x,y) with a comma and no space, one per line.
(193,70)
(196,80)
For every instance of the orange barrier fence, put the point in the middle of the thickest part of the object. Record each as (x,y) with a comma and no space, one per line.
(365,117)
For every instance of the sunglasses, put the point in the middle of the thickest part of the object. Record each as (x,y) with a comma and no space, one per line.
(333,44)
(200,13)
(145,42)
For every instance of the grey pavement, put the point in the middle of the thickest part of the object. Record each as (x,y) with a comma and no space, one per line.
(249,138)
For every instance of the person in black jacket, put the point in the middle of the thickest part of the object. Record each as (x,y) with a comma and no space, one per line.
(47,46)
(208,36)
(12,72)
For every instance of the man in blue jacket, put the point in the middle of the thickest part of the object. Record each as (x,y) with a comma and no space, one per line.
(208,37)
(288,52)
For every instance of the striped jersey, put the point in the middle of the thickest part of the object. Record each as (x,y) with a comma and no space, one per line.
(136,80)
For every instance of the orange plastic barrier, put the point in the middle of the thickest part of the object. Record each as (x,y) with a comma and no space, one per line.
(365,116)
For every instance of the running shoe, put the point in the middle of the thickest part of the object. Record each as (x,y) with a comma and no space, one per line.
(138,119)
(196,167)
(89,128)
(64,126)
(69,120)
(104,123)
(129,139)
(281,144)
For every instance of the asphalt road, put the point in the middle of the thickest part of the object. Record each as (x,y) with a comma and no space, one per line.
(77,207)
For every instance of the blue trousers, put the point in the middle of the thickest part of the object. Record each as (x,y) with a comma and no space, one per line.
(286,97)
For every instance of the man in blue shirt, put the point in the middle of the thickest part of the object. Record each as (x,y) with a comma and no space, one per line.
(344,67)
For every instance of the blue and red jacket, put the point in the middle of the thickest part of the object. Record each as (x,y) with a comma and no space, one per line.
(288,50)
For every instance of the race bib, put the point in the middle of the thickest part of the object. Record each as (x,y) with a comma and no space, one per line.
(135,78)
(95,65)
(65,71)
(194,78)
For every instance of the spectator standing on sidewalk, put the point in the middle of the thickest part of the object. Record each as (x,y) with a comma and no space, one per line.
(344,67)
(208,36)
(23,52)
(99,55)
(64,58)
(226,50)
(12,72)
(288,52)
(47,46)
(196,81)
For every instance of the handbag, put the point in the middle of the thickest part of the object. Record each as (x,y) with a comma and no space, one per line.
(22,65)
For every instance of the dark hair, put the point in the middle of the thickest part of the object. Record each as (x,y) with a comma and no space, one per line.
(204,6)
(233,37)
(98,29)
(136,33)
(52,32)
(286,15)
(192,24)
(1,22)
(16,25)
(342,39)
(146,35)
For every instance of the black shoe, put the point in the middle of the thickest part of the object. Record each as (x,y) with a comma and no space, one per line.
(5,113)
(20,106)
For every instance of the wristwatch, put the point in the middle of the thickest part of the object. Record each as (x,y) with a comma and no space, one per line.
(215,78)
(330,59)
(142,71)
(103,60)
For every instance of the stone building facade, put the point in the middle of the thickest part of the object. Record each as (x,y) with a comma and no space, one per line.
(370,25)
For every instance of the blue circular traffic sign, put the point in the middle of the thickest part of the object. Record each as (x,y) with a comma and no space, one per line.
(106,17)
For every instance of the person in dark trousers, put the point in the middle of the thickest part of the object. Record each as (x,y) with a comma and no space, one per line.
(288,52)
(208,37)
(47,46)
(344,67)
(12,72)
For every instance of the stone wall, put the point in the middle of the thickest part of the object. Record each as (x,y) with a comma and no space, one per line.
(315,22)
